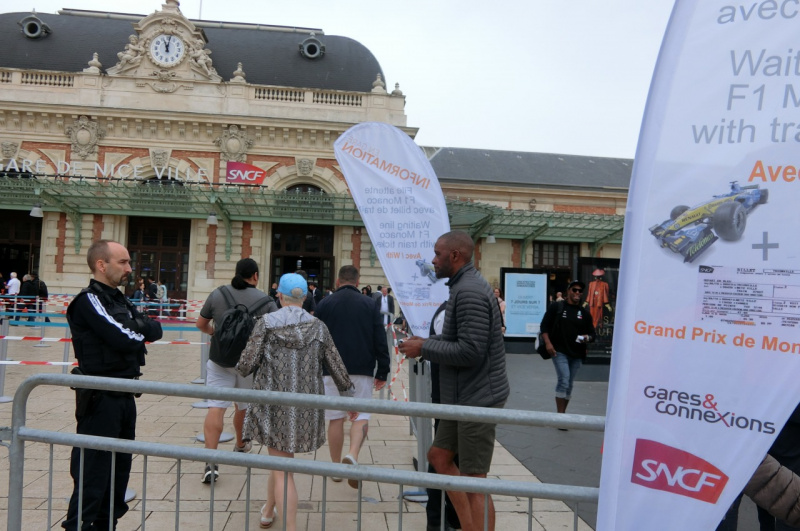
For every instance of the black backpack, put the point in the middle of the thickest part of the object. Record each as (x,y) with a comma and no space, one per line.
(235,327)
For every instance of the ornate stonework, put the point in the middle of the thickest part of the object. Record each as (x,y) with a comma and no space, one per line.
(305,167)
(159,158)
(9,149)
(84,136)
(233,144)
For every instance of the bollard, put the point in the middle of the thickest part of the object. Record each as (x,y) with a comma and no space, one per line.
(4,357)
(204,348)
(67,335)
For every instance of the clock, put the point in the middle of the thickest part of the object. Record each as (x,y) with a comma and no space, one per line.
(167,50)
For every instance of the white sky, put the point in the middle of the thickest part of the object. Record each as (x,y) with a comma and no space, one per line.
(523,75)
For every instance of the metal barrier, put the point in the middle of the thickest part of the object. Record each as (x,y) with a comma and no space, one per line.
(20,434)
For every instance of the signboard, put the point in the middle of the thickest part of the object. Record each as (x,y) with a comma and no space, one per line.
(399,198)
(526,302)
(706,347)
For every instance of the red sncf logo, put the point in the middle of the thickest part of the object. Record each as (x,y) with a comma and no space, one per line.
(661,467)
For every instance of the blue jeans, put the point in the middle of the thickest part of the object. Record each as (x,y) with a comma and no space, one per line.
(566,369)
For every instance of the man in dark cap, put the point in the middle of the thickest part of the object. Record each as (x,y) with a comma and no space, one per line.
(566,329)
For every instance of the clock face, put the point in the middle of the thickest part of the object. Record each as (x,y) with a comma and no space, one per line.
(167,50)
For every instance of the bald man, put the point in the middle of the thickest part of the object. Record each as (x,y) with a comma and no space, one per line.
(472,371)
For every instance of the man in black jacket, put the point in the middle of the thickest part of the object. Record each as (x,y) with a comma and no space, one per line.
(354,322)
(472,362)
(108,336)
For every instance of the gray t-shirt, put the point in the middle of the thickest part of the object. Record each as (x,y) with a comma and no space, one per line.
(216,305)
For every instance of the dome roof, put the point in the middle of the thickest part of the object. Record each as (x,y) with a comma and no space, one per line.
(270,55)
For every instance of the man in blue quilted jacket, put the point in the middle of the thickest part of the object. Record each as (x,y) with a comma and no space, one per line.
(472,372)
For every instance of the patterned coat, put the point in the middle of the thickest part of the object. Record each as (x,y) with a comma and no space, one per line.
(287,351)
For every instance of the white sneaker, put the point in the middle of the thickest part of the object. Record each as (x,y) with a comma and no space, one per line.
(350,460)
(248,445)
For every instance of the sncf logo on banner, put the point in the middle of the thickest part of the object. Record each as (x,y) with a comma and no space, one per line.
(661,467)
(241,173)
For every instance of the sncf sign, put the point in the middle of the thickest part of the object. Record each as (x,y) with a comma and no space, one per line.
(661,467)
(241,173)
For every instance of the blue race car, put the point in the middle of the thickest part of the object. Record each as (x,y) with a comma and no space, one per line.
(690,231)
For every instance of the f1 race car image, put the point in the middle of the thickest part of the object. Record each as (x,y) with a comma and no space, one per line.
(690,231)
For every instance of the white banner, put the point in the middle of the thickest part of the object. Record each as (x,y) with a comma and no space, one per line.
(400,200)
(705,364)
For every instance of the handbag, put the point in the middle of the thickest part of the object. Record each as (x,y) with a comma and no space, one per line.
(540,345)
(541,348)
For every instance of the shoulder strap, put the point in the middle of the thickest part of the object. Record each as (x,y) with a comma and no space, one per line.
(259,304)
(252,309)
(228,297)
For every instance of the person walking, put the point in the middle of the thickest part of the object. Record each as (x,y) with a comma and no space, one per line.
(27,292)
(287,352)
(220,369)
(566,329)
(13,284)
(41,294)
(386,302)
(354,322)
(108,336)
(472,372)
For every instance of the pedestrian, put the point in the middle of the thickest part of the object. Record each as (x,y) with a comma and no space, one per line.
(220,371)
(41,294)
(386,305)
(13,284)
(566,329)
(287,352)
(309,304)
(498,295)
(472,372)
(108,336)
(354,322)
(433,509)
(27,292)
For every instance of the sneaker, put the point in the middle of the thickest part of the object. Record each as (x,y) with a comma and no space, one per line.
(350,460)
(209,475)
(245,448)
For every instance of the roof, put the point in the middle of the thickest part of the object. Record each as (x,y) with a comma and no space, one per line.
(270,55)
(524,168)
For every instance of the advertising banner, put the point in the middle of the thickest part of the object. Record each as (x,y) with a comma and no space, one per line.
(706,351)
(526,302)
(400,200)
(241,173)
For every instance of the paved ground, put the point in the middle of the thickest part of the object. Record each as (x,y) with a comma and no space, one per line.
(572,457)
(175,421)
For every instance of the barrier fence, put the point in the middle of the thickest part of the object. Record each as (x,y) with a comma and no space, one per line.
(20,433)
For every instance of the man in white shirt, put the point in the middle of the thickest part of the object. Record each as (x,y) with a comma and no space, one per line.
(13,284)
(387,305)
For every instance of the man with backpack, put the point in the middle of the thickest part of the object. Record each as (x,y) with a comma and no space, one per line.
(226,316)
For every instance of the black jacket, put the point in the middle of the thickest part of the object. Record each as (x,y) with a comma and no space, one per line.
(354,321)
(108,334)
(471,350)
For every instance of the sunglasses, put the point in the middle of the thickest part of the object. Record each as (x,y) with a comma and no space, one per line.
(576,290)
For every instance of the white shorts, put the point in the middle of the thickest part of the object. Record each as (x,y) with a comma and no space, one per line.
(217,376)
(363,385)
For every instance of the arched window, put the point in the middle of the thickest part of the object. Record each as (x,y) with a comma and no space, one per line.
(309,189)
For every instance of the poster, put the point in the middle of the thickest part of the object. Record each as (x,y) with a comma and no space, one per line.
(399,198)
(706,351)
(526,302)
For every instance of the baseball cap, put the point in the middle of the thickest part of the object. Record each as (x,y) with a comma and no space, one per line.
(290,282)
(577,283)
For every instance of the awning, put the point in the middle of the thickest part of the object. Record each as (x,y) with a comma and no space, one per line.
(185,200)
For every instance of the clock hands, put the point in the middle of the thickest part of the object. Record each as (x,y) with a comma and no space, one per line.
(166,44)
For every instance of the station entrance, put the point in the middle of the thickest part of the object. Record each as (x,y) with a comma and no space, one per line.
(162,250)
(20,243)
(306,247)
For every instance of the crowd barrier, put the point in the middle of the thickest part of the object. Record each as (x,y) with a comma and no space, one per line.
(19,434)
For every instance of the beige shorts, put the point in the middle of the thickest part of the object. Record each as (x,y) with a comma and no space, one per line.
(217,376)
(363,385)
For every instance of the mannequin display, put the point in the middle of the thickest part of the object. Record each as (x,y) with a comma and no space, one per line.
(597,297)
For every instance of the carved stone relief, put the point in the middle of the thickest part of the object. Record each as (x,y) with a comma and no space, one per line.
(84,136)
(9,149)
(305,167)
(233,144)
